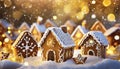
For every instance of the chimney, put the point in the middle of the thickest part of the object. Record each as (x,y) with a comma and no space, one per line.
(39,20)
(64,29)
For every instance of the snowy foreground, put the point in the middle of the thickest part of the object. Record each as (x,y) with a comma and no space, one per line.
(91,63)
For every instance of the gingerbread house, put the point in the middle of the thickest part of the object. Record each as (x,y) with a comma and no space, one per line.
(25,45)
(94,43)
(50,23)
(70,26)
(78,34)
(56,45)
(113,36)
(24,26)
(37,30)
(98,26)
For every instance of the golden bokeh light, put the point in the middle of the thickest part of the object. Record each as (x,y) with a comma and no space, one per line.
(3,35)
(6,40)
(107,3)
(93,2)
(111,17)
(19,31)
(17,14)
(54,17)
(67,9)
(80,15)
(7,3)
(9,31)
(110,50)
(85,9)
(0,43)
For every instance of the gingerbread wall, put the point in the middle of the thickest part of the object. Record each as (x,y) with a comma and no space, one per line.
(47,47)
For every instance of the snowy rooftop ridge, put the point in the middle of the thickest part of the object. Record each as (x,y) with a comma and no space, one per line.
(111,30)
(40,28)
(98,36)
(24,24)
(51,22)
(70,22)
(82,29)
(4,23)
(64,38)
(18,38)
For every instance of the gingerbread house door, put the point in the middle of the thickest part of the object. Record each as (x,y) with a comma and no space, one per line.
(51,56)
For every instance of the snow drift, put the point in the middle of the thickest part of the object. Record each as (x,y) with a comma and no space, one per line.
(104,64)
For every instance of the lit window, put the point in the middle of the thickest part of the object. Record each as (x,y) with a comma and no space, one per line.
(3,35)
(19,31)
(9,28)
(78,35)
(0,43)
(6,40)
(91,41)
(9,31)
(116,37)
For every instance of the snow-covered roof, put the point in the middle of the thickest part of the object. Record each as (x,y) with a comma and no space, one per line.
(51,22)
(111,30)
(70,23)
(63,38)
(98,36)
(81,29)
(24,24)
(39,27)
(4,23)
(20,36)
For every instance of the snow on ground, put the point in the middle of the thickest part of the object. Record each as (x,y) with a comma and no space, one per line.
(104,64)
(35,63)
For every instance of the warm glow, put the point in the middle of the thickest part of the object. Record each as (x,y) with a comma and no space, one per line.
(3,35)
(6,40)
(78,35)
(80,15)
(9,31)
(91,41)
(110,50)
(84,23)
(39,19)
(26,63)
(19,31)
(85,9)
(107,3)
(93,16)
(54,17)
(67,9)
(0,43)
(68,28)
(9,28)
(116,37)
(111,17)
(93,2)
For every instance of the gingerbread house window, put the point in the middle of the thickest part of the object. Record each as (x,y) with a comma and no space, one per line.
(116,37)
